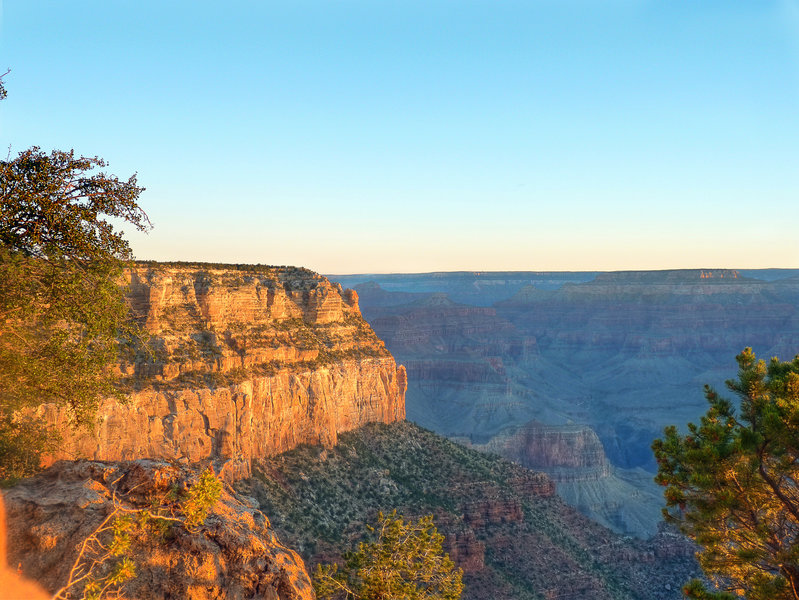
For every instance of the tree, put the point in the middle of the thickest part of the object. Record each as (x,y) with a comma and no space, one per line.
(62,311)
(402,561)
(733,483)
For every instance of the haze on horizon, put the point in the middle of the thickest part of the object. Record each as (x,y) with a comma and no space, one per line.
(357,137)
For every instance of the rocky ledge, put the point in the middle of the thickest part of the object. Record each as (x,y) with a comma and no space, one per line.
(234,554)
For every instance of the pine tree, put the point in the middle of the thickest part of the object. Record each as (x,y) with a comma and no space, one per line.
(733,483)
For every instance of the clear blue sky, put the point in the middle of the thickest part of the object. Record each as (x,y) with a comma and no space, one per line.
(439,135)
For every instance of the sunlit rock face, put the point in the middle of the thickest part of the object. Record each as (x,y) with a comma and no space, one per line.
(243,362)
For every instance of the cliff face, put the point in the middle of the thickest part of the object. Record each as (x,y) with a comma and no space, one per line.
(456,355)
(573,449)
(243,362)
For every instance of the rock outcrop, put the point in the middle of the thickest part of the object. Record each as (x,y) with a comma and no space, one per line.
(562,451)
(465,550)
(234,554)
(12,584)
(243,362)
(573,457)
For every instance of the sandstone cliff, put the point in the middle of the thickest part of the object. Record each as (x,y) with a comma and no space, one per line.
(235,554)
(243,362)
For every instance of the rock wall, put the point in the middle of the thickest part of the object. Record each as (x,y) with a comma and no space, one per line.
(241,363)
(466,550)
(572,456)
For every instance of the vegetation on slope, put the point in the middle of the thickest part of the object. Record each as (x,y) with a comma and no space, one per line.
(401,560)
(502,523)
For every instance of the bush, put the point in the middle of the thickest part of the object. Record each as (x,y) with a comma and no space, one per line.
(401,561)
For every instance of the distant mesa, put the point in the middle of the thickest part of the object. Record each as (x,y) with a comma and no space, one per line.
(435,299)
(670,276)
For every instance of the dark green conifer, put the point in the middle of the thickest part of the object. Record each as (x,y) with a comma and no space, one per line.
(732,482)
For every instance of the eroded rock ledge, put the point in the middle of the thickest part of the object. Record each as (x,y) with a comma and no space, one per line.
(235,554)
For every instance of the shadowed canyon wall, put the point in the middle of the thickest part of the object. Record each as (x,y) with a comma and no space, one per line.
(625,500)
(502,523)
(623,354)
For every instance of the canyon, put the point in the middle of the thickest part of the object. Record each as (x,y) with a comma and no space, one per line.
(624,354)
(273,376)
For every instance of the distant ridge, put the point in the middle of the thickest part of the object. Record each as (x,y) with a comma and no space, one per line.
(673,276)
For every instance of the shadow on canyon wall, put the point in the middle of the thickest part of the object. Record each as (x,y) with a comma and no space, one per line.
(621,354)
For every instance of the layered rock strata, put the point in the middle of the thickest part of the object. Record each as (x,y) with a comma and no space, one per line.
(624,353)
(564,452)
(241,362)
(573,457)
(234,554)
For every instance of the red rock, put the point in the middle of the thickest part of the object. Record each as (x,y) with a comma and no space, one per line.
(493,511)
(465,550)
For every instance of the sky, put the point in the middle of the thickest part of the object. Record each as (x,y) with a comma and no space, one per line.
(380,136)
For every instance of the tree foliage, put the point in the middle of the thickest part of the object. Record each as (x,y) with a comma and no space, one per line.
(733,483)
(401,561)
(62,310)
